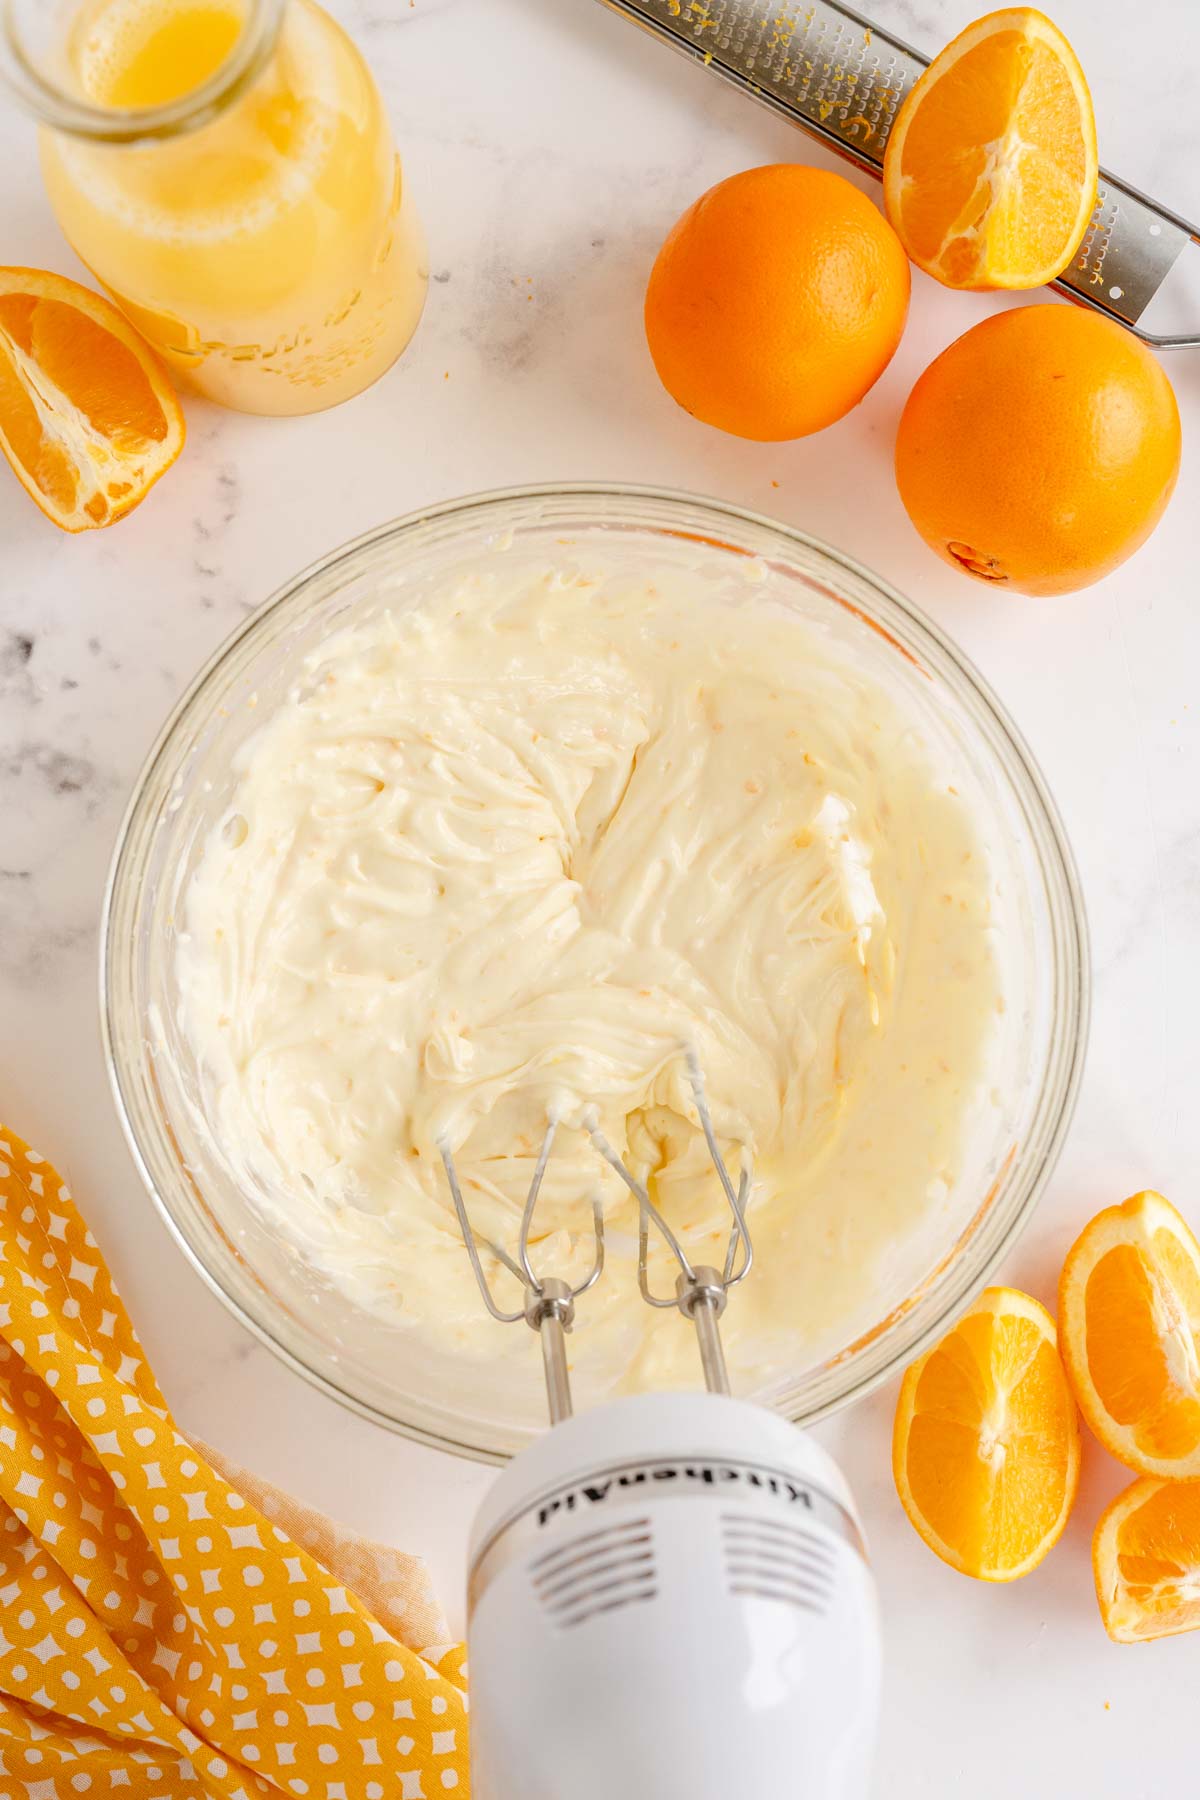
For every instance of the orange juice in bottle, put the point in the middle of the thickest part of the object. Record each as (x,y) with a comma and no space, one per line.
(226,169)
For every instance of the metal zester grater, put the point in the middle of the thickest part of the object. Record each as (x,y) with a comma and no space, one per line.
(842,79)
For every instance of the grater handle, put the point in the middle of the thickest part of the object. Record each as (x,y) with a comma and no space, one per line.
(840,78)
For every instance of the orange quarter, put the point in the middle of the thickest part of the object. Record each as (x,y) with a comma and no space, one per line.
(990,171)
(88,418)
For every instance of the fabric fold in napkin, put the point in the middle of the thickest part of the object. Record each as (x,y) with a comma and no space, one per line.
(167,1626)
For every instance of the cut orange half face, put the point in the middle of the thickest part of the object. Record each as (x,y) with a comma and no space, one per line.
(985,1450)
(990,171)
(1129,1324)
(88,418)
(1146,1559)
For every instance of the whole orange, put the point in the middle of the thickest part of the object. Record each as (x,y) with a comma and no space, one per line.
(776,301)
(1040,449)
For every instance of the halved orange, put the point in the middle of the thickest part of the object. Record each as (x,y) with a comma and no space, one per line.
(1129,1321)
(88,418)
(1146,1560)
(990,171)
(985,1450)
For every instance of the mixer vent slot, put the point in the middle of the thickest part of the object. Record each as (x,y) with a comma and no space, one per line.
(597,1573)
(776,1559)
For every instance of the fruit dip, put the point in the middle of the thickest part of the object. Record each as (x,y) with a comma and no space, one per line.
(511,849)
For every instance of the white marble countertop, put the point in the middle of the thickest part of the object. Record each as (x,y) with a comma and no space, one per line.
(550,146)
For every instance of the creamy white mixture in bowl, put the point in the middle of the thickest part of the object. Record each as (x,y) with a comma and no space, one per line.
(494,815)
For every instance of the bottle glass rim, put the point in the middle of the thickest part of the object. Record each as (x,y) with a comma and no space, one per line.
(46,97)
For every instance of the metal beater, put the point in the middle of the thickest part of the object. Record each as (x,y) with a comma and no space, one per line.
(701,1291)
(669,1596)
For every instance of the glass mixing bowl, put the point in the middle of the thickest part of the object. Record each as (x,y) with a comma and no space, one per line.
(380,1369)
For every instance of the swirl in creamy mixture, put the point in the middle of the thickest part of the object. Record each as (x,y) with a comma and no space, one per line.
(507,853)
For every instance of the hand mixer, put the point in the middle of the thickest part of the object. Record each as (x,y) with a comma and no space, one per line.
(669,1597)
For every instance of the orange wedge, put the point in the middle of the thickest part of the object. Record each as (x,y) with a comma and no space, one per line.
(985,1450)
(1129,1319)
(1146,1559)
(88,418)
(989,177)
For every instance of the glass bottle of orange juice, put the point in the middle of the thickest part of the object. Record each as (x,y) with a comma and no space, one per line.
(226,170)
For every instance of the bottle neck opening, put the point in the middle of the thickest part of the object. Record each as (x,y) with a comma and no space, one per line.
(36,75)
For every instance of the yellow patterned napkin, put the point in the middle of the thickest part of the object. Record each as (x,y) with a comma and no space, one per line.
(164,1628)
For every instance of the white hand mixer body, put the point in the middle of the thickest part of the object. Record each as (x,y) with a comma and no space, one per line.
(669,1597)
